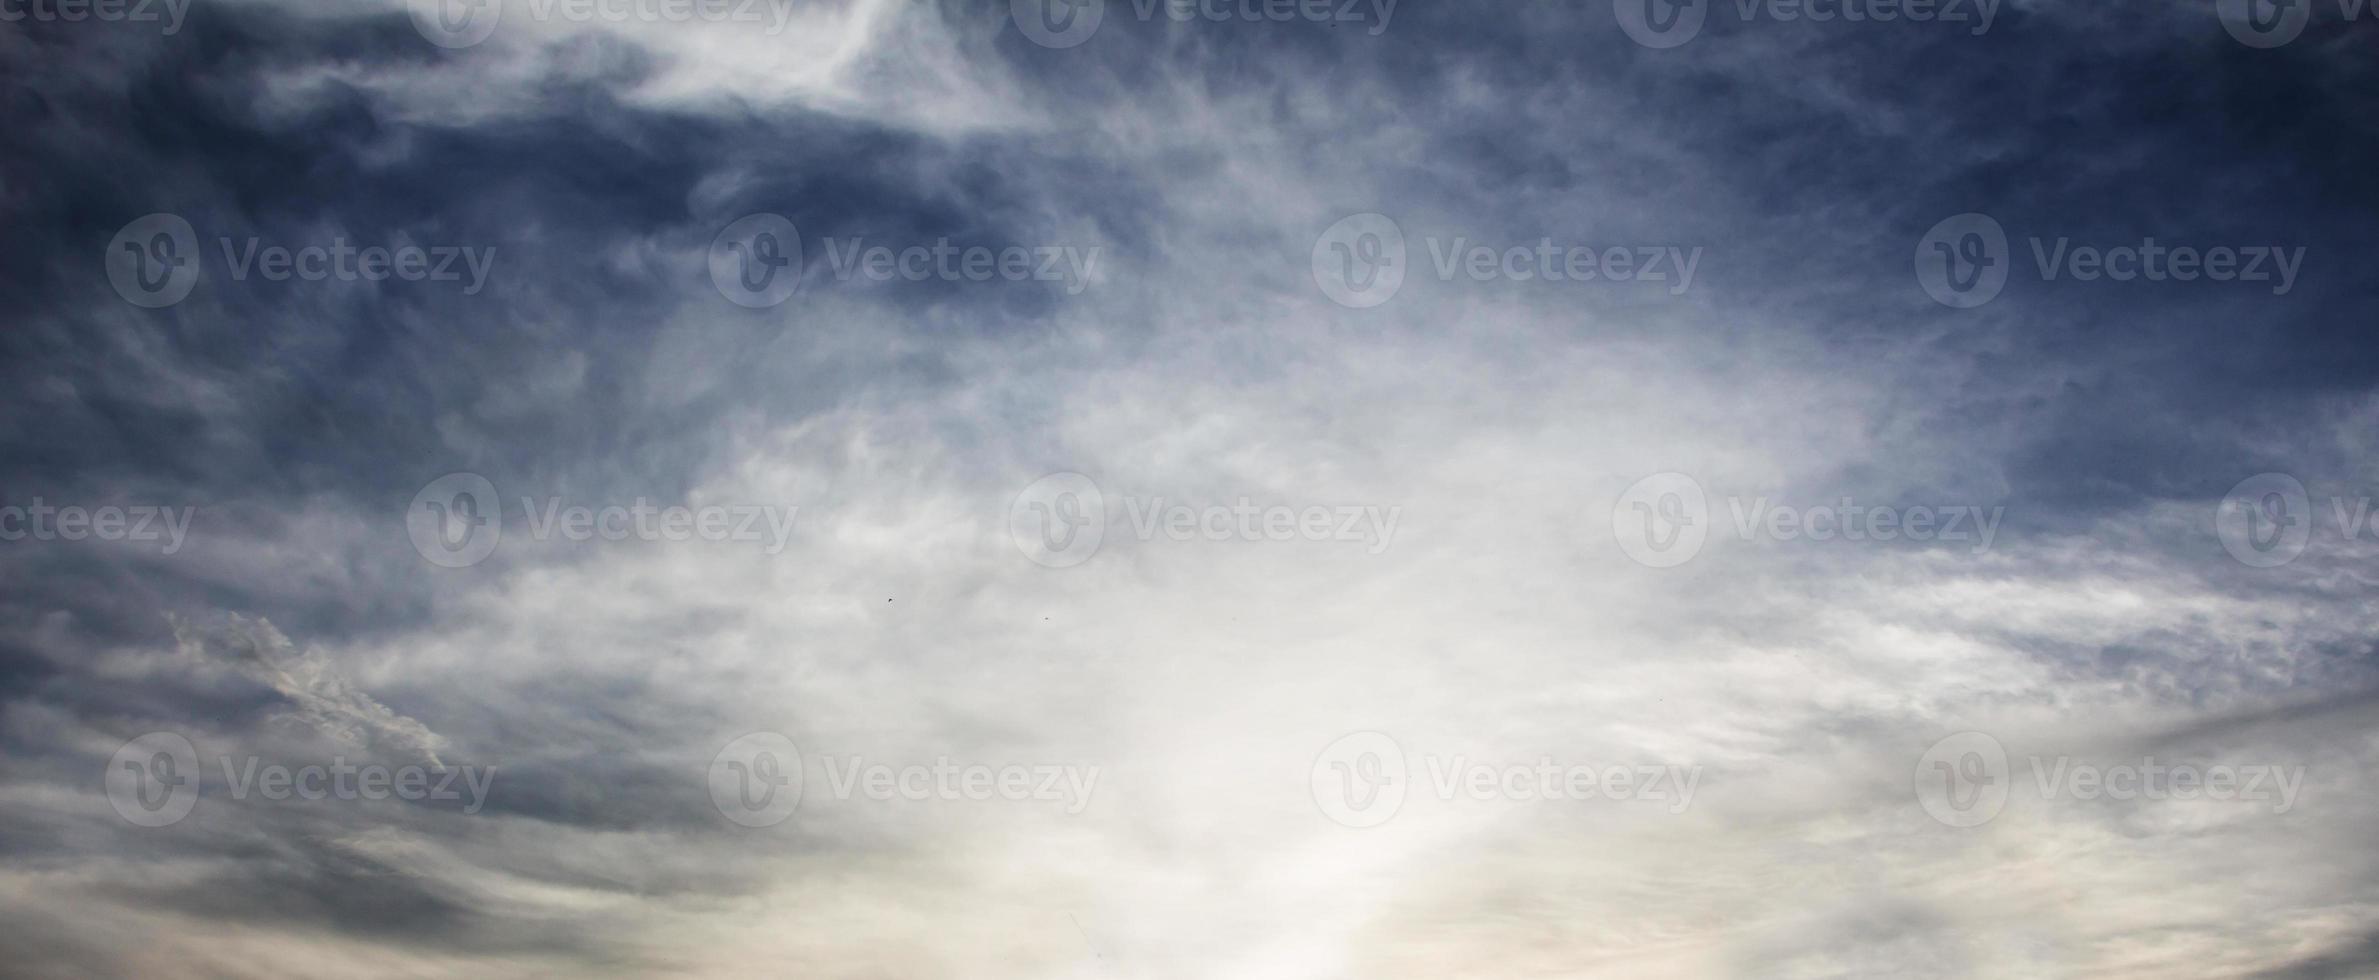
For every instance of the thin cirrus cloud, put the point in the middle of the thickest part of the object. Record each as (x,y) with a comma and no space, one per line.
(1185,686)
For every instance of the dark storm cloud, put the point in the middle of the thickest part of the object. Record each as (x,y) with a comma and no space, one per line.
(335,390)
(1812,157)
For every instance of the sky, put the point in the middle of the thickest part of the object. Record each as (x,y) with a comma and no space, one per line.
(1250,489)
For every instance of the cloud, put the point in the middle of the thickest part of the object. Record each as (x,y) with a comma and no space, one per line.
(908,626)
(317,694)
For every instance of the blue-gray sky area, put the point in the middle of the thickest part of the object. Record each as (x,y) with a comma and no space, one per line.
(1178,489)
